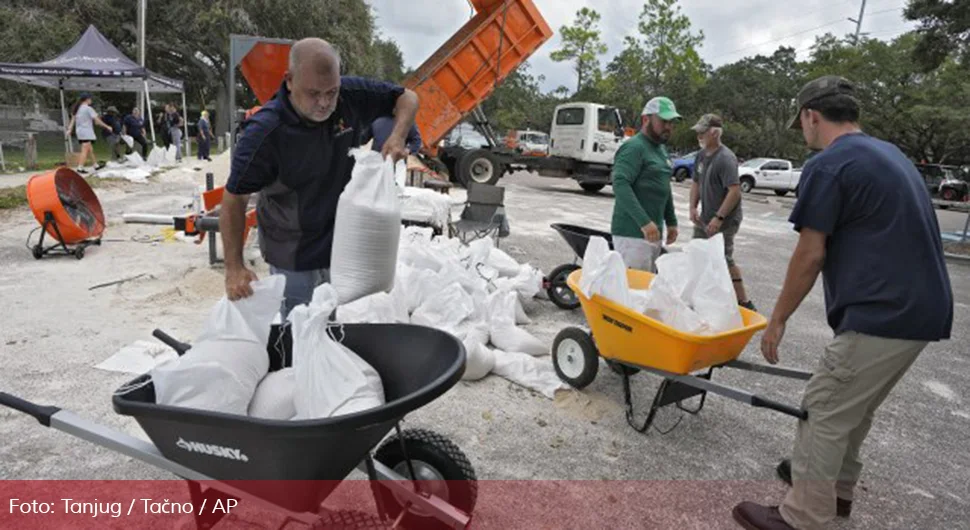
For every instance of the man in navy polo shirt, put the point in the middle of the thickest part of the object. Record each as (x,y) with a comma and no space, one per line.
(866,222)
(295,153)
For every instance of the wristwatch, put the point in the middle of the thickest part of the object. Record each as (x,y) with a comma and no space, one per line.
(719,216)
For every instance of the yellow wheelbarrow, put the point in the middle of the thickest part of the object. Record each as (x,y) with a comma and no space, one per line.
(631,342)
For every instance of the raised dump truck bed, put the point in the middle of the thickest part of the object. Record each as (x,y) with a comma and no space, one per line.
(465,70)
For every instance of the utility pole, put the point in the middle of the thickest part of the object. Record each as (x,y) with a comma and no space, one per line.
(858,23)
(142,10)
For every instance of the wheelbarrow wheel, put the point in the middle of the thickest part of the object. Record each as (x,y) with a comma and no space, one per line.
(37,251)
(575,358)
(558,291)
(349,520)
(441,466)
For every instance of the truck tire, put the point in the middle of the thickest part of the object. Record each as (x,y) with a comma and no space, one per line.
(590,187)
(480,166)
(681,174)
(781,193)
(747,184)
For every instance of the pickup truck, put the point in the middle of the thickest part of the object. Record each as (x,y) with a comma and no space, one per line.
(769,173)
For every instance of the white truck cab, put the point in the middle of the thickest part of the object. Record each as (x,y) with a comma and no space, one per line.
(769,173)
(586,132)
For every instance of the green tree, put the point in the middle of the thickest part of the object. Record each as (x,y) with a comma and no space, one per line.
(581,43)
(944,29)
(671,59)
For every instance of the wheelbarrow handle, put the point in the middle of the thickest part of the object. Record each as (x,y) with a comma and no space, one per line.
(758,401)
(42,413)
(178,346)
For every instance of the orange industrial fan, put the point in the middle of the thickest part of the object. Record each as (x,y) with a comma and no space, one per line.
(67,210)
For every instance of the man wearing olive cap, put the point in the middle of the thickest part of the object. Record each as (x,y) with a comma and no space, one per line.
(866,222)
(717,188)
(641,184)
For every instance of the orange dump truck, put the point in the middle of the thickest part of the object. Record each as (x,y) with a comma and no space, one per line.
(462,74)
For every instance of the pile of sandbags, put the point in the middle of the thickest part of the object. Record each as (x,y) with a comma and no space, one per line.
(476,293)
(692,291)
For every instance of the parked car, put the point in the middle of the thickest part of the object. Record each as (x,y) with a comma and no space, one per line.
(946,182)
(769,173)
(683,167)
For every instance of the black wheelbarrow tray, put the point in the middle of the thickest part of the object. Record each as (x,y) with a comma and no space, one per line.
(577,237)
(293,466)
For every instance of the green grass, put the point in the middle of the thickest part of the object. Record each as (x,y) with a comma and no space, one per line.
(50,153)
(16,196)
(13,197)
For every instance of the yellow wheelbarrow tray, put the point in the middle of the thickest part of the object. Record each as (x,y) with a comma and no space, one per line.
(630,342)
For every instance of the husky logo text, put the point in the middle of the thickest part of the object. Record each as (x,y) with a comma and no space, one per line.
(214,450)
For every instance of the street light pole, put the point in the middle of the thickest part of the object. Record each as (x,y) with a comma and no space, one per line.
(858,23)
(142,10)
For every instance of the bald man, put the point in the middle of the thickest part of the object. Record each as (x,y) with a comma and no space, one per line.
(295,153)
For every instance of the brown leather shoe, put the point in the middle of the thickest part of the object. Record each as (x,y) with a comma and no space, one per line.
(754,516)
(843,507)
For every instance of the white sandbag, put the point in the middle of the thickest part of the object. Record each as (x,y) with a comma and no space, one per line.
(604,273)
(521,317)
(714,298)
(478,252)
(445,308)
(367,229)
(679,271)
(661,303)
(228,359)
(527,282)
(331,380)
(530,372)
(156,157)
(479,362)
(503,263)
(422,283)
(273,399)
(502,329)
(379,308)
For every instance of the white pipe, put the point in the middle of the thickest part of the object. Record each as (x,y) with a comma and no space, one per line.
(148,219)
(67,138)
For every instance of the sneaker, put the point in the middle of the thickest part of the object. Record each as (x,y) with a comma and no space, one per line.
(748,305)
(843,507)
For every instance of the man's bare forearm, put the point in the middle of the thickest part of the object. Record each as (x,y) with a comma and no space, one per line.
(232,224)
(695,195)
(404,113)
(803,270)
(731,200)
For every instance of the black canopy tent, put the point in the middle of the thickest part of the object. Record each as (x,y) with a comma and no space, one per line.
(93,64)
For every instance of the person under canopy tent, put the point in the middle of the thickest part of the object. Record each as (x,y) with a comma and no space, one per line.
(93,64)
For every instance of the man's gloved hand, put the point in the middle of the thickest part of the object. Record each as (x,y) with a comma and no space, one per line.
(237,283)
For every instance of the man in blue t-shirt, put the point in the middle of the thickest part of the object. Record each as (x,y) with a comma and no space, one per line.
(866,222)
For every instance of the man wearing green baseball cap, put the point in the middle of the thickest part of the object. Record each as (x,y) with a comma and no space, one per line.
(866,223)
(641,183)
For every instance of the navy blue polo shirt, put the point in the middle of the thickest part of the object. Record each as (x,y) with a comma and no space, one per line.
(134,125)
(885,273)
(300,168)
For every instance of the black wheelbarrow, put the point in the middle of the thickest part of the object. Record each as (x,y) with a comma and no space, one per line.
(577,237)
(419,479)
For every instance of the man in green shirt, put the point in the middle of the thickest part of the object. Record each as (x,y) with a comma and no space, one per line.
(641,184)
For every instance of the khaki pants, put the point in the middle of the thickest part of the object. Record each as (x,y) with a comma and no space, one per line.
(854,376)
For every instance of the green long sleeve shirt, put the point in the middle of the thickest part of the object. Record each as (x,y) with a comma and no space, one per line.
(641,184)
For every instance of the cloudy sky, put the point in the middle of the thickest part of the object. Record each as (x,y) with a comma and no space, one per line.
(732,29)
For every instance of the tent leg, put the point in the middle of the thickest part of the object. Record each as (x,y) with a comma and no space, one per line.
(69,146)
(149,113)
(185,125)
